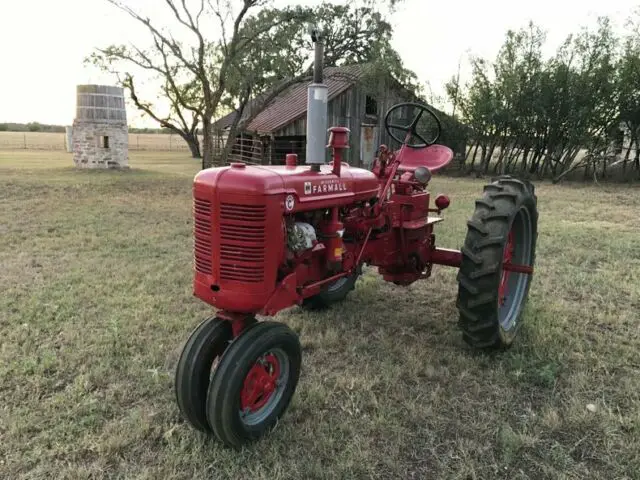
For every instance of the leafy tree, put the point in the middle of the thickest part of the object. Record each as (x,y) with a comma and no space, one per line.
(255,55)
(351,35)
(551,117)
(629,90)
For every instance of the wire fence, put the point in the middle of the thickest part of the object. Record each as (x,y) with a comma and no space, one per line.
(56,141)
(246,149)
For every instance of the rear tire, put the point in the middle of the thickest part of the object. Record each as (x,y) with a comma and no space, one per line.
(491,300)
(333,293)
(206,343)
(254,383)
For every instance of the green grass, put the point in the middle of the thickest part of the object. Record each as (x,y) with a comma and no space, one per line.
(95,303)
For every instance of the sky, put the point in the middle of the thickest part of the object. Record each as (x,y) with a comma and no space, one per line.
(43,42)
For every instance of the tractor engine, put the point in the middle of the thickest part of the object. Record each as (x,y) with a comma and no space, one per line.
(256,225)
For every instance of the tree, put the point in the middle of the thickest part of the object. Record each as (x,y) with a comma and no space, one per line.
(194,74)
(280,56)
(269,65)
(551,117)
(628,70)
(185,101)
(253,56)
(167,63)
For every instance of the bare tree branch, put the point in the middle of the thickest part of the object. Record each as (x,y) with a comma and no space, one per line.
(230,57)
(168,41)
(217,13)
(164,122)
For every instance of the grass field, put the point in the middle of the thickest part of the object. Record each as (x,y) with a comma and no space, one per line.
(95,303)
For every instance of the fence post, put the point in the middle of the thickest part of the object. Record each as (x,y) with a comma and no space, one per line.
(24,135)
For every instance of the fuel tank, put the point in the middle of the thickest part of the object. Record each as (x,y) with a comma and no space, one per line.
(301,188)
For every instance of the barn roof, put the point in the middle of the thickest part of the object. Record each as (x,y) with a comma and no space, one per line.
(292,103)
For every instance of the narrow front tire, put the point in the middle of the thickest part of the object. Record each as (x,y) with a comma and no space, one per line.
(254,383)
(204,346)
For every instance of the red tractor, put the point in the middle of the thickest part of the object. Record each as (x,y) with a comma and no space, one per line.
(271,237)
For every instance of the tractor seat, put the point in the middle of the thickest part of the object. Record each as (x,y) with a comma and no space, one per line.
(434,157)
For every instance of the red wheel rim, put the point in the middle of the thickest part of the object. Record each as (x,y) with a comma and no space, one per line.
(507,256)
(260,383)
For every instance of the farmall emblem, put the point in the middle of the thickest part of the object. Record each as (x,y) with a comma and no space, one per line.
(290,202)
(324,186)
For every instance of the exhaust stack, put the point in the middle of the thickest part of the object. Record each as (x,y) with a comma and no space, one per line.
(316,109)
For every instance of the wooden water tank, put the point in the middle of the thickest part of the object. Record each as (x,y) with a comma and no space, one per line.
(100,104)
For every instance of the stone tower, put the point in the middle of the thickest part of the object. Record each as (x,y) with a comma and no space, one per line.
(100,133)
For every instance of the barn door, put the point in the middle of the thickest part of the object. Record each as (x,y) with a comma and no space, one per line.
(368,142)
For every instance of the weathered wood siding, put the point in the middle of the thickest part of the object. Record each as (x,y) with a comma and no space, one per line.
(348,110)
(340,112)
(100,103)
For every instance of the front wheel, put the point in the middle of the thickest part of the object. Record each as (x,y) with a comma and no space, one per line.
(502,230)
(204,347)
(254,383)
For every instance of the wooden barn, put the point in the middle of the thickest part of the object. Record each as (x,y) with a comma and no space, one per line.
(357,99)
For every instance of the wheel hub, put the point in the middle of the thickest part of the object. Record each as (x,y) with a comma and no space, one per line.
(507,256)
(260,383)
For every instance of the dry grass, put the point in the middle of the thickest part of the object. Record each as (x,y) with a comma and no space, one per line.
(95,275)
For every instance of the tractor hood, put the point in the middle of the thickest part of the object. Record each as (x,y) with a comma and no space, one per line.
(310,189)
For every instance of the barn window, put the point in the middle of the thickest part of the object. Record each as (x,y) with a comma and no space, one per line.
(104,141)
(370,106)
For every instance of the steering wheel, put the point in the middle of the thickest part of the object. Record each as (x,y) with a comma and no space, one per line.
(411,128)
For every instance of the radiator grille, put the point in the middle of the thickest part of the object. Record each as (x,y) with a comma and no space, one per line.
(242,242)
(202,235)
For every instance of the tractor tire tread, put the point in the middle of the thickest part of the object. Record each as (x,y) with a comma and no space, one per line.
(477,326)
(483,342)
(478,227)
(225,387)
(467,285)
(485,271)
(485,203)
(515,182)
(496,216)
(480,269)
(490,241)
(191,381)
(471,256)
(508,195)
(482,299)
(473,317)
(493,187)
